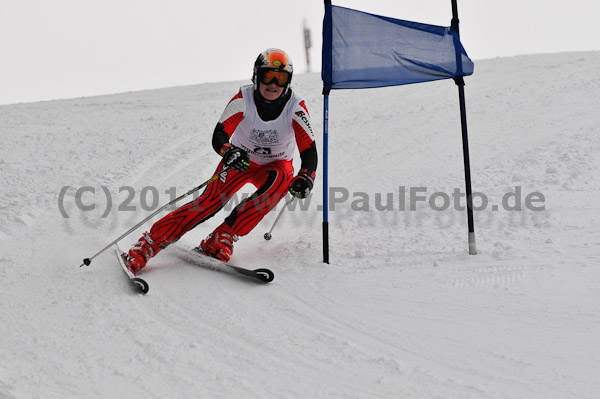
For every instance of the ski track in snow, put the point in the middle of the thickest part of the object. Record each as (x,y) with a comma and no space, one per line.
(401,311)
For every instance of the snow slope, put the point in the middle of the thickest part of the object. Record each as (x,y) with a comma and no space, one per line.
(401,312)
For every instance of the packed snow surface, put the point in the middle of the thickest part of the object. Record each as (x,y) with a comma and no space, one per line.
(402,310)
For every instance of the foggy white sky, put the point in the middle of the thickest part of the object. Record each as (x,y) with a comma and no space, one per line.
(75,48)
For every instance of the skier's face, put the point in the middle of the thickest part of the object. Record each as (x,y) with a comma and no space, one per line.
(270,92)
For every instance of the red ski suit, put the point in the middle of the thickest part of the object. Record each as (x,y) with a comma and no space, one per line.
(270,146)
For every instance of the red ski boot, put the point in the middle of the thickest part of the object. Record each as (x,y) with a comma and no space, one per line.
(141,252)
(220,242)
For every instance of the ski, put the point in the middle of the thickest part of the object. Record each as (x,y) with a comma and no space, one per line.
(140,283)
(198,256)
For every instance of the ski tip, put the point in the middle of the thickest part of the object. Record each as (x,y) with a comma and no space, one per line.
(265,275)
(142,284)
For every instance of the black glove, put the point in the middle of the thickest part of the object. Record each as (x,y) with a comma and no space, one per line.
(302,184)
(235,158)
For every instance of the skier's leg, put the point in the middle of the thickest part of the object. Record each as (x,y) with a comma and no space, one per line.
(272,181)
(272,185)
(174,225)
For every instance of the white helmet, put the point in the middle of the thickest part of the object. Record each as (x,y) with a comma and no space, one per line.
(273,66)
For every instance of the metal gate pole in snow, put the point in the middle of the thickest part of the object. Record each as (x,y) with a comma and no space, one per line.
(325,175)
(460,82)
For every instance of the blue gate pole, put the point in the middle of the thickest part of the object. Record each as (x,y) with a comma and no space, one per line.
(326,175)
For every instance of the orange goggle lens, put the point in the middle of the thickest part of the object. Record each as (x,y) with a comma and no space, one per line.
(280,78)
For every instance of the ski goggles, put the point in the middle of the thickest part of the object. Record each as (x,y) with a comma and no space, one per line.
(280,78)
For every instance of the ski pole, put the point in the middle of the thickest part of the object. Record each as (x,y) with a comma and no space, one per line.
(268,235)
(87,261)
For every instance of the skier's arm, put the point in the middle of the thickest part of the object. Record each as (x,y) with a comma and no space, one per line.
(233,157)
(305,138)
(230,119)
(303,182)
(309,158)
(220,138)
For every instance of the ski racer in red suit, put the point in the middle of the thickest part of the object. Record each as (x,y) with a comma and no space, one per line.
(256,137)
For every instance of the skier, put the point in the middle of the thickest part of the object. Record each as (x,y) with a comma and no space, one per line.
(256,137)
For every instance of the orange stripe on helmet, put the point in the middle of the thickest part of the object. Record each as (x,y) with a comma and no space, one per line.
(277,59)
